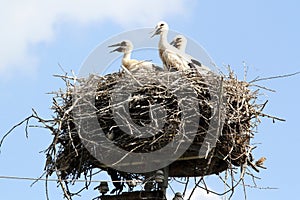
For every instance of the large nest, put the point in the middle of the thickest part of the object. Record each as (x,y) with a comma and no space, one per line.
(226,100)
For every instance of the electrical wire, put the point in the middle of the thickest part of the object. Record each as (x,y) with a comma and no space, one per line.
(51,179)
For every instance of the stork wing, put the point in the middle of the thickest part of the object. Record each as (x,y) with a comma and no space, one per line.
(174,61)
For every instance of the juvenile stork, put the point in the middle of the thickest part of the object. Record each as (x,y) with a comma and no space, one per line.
(173,58)
(126,47)
(179,41)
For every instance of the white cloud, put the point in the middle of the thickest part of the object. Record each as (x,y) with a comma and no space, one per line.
(25,23)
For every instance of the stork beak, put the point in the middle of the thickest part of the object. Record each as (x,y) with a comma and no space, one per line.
(156,31)
(119,49)
(115,45)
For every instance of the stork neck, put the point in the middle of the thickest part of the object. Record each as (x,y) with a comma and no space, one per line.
(127,55)
(164,39)
(126,58)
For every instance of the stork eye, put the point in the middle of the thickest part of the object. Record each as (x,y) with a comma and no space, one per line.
(162,25)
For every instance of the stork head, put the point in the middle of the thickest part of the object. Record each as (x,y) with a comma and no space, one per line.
(124,46)
(179,42)
(160,28)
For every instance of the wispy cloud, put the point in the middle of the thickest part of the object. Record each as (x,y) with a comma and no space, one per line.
(26,23)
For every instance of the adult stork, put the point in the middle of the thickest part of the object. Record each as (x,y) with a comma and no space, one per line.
(173,58)
(179,41)
(126,47)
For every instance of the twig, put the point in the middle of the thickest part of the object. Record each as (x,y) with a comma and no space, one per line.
(46,187)
(15,126)
(128,72)
(273,77)
(272,117)
(186,185)
(192,192)
(262,87)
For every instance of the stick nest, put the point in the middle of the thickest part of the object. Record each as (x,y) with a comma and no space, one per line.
(69,157)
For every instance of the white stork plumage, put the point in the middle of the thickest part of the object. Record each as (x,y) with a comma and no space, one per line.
(179,41)
(126,47)
(173,58)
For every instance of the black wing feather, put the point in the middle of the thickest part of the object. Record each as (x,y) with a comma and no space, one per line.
(196,62)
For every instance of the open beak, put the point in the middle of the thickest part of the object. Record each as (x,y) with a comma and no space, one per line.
(117,49)
(156,31)
(115,45)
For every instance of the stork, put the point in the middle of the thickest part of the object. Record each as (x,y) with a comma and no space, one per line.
(173,58)
(126,47)
(179,41)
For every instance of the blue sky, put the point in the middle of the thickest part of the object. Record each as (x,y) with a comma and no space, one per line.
(36,36)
